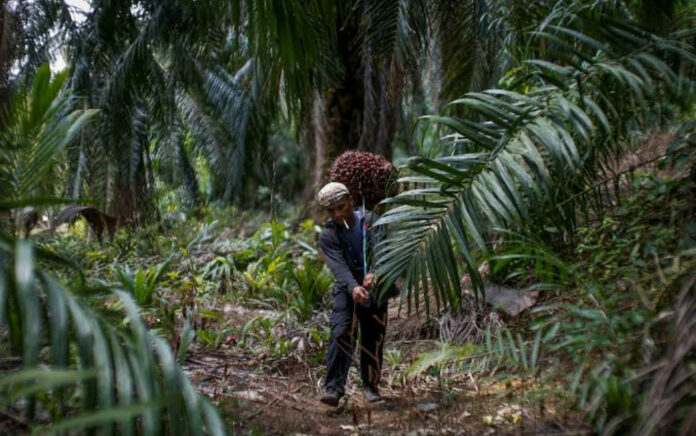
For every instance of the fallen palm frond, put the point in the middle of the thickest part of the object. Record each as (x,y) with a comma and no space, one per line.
(669,405)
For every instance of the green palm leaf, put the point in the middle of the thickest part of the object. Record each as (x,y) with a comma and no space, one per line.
(38,126)
(522,154)
(122,375)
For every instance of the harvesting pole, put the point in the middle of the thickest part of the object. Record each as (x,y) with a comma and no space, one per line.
(364,238)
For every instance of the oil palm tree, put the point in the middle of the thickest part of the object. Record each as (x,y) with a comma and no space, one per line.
(224,71)
(129,60)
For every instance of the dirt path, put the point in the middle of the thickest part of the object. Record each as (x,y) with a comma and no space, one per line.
(263,396)
(281,402)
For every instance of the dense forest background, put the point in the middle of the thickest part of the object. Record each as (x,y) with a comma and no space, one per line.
(159,162)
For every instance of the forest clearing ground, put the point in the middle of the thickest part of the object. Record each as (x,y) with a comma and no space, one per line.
(263,396)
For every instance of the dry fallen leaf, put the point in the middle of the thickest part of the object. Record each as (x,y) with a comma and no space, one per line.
(464,415)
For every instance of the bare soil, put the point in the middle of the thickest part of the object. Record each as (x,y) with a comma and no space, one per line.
(263,396)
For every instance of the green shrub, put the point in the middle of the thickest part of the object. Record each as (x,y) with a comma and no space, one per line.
(312,282)
(142,283)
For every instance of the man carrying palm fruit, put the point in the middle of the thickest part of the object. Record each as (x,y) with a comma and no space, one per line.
(347,238)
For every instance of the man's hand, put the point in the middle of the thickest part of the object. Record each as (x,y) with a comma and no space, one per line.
(369,281)
(360,294)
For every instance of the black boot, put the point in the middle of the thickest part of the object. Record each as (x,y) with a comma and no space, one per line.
(372,395)
(330,398)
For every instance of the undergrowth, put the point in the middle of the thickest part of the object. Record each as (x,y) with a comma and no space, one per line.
(606,317)
(236,279)
(603,327)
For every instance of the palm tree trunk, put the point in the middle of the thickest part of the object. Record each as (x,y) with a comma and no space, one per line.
(359,112)
(5,51)
(315,138)
(189,175)
(133,201)
(337,116)
(344,100)
(76,184)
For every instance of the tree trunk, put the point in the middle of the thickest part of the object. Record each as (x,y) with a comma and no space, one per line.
(344,100)
(188,175)
(315,138)
(360,111)
(336,115)
(134,182)
(6,55)
(133,200)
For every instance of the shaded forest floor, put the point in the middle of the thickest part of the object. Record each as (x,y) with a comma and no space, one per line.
(265,396)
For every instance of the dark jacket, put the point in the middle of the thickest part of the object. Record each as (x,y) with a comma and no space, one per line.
(347,266)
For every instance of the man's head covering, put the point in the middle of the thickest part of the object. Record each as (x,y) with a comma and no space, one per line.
(331,192)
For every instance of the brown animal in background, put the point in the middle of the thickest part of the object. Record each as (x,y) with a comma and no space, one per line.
(97,220)
(25,220)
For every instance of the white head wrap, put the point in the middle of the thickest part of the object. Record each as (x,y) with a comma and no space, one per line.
(331,192)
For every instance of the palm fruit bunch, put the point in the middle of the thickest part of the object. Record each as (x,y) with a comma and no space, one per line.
(366,175)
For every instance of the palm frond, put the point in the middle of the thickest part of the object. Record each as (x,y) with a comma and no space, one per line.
(228,121)
(39,125)
(125,377)
(537,146)
(45,24)
(289,39)
(669,404)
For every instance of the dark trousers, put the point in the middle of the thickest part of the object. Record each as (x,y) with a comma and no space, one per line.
(373,324)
